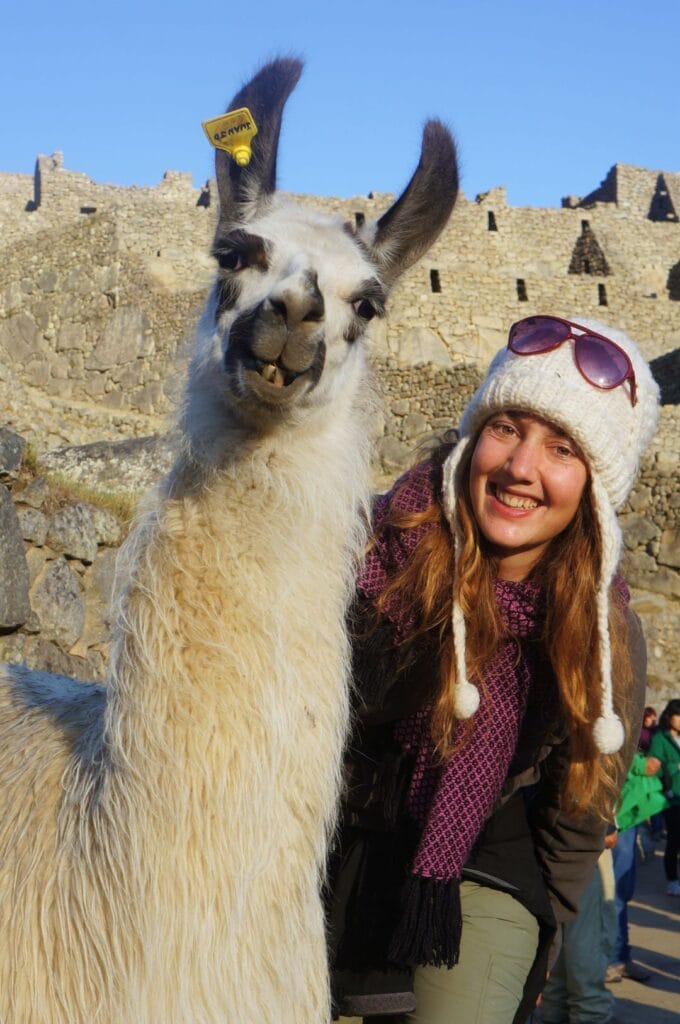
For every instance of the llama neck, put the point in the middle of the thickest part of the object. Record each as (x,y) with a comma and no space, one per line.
(237,586)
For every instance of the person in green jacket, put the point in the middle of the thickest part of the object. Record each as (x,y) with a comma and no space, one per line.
(665,746)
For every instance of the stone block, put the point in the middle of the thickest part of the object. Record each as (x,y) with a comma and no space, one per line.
(106,527)
(637,531)
(71,336)
(420,346)
(15,606)
(57,598)
(20,339)
(640,498)
(393,454)
(13,298)
(47,281)
(12,448)
(36,558)
(669,549)
(72,532)
(33,525)
(36,493)
(121,341)
(41,653)
(415,425)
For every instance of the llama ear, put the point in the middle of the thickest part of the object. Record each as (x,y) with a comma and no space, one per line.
(242,188)
(408,229)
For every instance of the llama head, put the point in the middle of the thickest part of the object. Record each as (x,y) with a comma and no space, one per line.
(295,288)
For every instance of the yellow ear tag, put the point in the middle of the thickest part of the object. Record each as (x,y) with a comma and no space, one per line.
(233,133)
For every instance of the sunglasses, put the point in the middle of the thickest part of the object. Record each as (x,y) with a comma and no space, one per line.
(599,361)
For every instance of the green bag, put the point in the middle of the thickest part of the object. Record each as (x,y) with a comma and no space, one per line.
(642,797)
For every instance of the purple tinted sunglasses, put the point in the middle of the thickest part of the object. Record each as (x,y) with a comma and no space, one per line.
(599,361)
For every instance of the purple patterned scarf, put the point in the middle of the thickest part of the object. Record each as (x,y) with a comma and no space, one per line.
(450,802)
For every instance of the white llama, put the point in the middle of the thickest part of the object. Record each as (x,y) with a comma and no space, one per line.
(163,838)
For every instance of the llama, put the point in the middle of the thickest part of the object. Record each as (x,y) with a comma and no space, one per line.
(163,837)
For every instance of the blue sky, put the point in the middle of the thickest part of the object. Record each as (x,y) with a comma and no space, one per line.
(543,95)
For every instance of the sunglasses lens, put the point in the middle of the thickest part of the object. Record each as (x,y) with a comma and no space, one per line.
(536,334)
(599,362)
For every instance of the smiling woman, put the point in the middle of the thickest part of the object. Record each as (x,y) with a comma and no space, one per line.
(500,682)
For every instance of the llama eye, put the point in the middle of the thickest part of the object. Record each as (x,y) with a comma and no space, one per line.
(363,308)
(233,260)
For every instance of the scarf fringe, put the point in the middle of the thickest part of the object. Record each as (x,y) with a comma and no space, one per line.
(430,925)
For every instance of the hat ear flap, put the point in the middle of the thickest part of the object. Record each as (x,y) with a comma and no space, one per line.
(608,732)
(466,694)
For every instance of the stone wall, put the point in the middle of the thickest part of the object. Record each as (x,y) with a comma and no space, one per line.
(100,287)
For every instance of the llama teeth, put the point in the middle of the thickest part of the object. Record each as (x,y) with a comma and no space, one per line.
(269,372)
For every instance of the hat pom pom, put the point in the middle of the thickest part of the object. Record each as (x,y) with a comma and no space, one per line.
(608,734)
(466,700)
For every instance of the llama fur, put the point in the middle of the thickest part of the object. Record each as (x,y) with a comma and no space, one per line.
(163,837)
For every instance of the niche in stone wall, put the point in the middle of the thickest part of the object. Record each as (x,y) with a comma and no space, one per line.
(522,295)
(673,283)
(661,207)
(359,219)
(491,221)
(602,295)
(435,283)
(587,256)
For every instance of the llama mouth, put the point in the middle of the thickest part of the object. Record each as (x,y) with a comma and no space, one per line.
(276,374)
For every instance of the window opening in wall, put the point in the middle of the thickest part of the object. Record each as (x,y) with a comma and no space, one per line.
(601,295)
(587,256)
(435,283)
(359,219)
(491,221)
(673,283)
(661,207)
(522,290)
(88,209)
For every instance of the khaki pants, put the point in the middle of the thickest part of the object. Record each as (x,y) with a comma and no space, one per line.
(498,947)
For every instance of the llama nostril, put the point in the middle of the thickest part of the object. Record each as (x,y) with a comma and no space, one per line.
(280,308)
(316,310)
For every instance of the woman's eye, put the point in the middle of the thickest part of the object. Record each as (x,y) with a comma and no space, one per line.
(232,260)
(503,427)
(564,451)
(364,309)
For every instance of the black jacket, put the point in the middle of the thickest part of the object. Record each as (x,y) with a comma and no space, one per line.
(528,846)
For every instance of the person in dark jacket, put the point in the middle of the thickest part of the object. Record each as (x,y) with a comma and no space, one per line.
(665,746)
(499,684)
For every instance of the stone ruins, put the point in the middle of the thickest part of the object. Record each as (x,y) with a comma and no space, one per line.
(100,286)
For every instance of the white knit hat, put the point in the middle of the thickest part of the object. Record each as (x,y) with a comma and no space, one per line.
(612,434)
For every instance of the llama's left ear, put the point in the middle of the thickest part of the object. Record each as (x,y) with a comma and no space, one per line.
(414,222)
(242,189)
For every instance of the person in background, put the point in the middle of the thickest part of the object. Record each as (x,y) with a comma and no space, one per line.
(642,797)
(496,661)
(665,746)
(648,729)
(575,992)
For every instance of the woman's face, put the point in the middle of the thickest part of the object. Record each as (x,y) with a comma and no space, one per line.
(526,483)
(674,722)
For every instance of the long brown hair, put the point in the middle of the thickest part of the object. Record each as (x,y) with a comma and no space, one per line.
(569,572)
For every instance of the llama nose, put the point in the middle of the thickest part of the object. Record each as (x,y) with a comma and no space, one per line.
(299,302)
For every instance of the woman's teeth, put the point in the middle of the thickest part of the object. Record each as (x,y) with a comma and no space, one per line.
(513,501)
